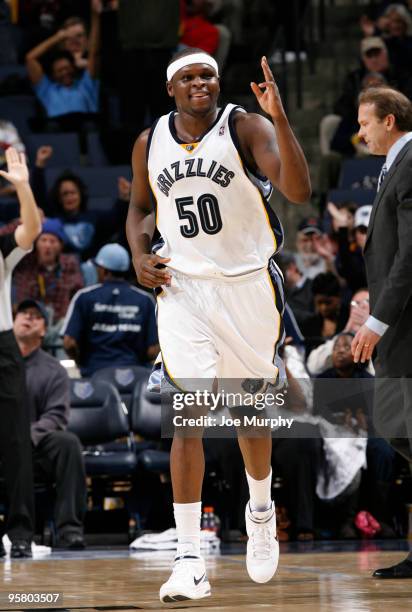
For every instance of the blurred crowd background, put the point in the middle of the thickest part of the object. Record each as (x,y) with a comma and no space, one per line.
(78,82)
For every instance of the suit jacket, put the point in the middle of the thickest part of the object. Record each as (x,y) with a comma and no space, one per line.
(388,259)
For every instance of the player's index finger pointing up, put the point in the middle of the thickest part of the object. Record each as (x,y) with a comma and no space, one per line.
(266,70)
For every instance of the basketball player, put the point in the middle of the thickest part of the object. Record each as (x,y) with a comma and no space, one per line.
(205,169)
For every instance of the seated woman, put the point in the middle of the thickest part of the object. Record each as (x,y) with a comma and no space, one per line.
(65,91)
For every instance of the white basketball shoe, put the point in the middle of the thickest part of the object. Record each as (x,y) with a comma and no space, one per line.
(262,555)
(187,581)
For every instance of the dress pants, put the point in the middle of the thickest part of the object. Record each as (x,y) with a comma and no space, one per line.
(58,458)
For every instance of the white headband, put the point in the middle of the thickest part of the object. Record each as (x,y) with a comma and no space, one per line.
(187,60)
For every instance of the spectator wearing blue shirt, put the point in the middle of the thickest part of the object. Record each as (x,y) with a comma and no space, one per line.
(65,91)
(113,322)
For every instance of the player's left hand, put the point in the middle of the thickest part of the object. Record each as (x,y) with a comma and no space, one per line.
(267,93)
(363,344)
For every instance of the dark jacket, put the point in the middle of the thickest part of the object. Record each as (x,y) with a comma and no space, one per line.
(347,103)
(48,391)
(388,259)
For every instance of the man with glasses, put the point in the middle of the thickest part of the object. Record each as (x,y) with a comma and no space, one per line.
(15,446)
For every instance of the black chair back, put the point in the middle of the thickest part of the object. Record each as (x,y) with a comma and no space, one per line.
(97,413)
(146,412)
(124,378)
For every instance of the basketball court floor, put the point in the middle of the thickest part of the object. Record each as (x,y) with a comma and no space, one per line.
(312,577)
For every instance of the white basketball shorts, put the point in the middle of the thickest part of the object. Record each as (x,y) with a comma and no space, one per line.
(222,328)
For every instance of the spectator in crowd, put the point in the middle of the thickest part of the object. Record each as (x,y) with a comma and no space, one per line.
(395,25)
(9,137)
(85,230)
(298,288)
(320,358)
(330,315)
(111,323)
(374,58)
(66,94)
(349,262)
(49,275)
(57,453)
(198,31)
(347,404)
(398,35)
(314,251)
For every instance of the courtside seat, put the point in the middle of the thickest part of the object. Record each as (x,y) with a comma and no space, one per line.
(98,416)
(155,461)
(146,419)
(124,378)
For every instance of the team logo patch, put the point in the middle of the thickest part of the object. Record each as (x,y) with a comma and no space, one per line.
(189,147)
(221,130)
(253,385)
(124,377)
(83,390)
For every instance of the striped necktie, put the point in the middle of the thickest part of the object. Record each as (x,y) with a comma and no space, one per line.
(382,175)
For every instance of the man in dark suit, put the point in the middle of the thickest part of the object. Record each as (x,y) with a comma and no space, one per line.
(385,119)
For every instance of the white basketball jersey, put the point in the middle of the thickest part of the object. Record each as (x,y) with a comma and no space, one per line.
(211,212)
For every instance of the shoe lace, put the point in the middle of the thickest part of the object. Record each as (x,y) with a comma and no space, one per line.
(262,542)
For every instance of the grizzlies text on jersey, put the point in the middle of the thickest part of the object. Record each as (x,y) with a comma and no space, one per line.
(212,212)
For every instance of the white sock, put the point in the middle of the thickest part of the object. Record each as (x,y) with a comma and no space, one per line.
(187,519)
(260,492)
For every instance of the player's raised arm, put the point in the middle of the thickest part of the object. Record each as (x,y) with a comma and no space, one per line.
(18,174)
(140,222)
(276,151)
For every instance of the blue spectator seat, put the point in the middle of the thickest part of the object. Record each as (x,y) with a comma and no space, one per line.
(66,149)
(11,70)
(18,110)
(360,173)
(95,151)
(98,416)
(146,416)
(101,182)
(359,196)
